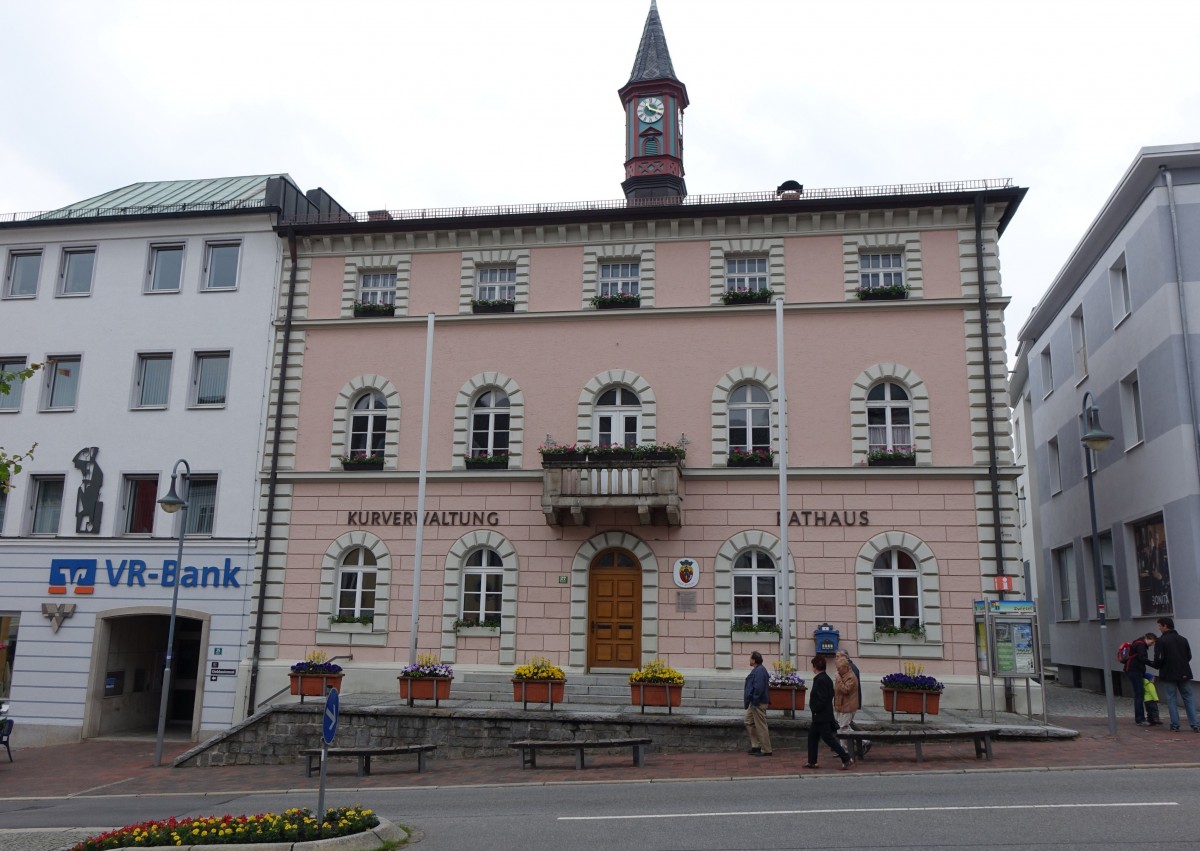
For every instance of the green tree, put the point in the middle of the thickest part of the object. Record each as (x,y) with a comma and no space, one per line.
(10,463)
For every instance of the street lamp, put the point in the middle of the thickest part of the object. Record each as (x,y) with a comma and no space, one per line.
(171,503)
(1096,439)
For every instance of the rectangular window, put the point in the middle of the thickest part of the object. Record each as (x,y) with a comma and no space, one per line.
(1047,373)
(24,267)
(210,381)
(881,270)
(1079,344)
(1135,427)
(745,274)
(1064,575)
(166,268)
(1118,282)
(141,500)
(202,504)
(496,283)
(75,277)
(619,279)
(377,288)
(221,265)
(62,383)
(1021,509)
(153,381)
(3,510)
(1054,466)
(1018,438)
(11,401)
(482,595)
(1108,570)
(1153,567)
(47,504)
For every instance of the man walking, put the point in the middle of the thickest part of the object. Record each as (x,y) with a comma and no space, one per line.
(1135,672)
(1172,657)
(756,696)
(823,721)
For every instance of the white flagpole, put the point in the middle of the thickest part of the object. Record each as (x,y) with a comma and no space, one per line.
(785,572)
(419,549)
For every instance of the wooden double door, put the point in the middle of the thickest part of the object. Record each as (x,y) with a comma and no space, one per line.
(614,610)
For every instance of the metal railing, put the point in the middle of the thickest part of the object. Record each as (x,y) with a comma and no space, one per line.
(70,213)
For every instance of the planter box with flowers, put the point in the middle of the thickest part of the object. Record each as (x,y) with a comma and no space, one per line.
(895,292)
(428,679)
(499,305)
(359,461)
(484,461)
(753,458)
(567,455)
(362,310)
(911,692)
(732,297)
(785,688)
(656,684)
(539,680)
(758,631)
(315,676)
(892,458)
(620,301)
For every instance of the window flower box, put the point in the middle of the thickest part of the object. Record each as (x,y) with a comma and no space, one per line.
(568,455)
(498,461)
(896,292)
(362,461)
(622,301)
(734,297)
(373,310)
(755,458)
(891,458)
(494,306)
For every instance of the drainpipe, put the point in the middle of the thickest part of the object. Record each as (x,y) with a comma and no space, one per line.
(993,471)
(272,478)
(1183,317)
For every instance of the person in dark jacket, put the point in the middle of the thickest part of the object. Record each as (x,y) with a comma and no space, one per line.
(756,697)
(820,701)
(1172,658)
(1135,672)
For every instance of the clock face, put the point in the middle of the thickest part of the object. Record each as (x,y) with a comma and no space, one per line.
(650,110)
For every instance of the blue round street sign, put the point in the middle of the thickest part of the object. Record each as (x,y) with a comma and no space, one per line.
(330,720)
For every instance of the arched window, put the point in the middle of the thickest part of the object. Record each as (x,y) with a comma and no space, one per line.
(356,584)
(489,423)
(617,419)
(749,418)
(754,588)
(483,587)
(889,418)
(897,591)
(368,425)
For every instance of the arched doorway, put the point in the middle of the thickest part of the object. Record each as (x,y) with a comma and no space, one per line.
(614,610)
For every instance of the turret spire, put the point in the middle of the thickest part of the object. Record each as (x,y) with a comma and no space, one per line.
(653,61)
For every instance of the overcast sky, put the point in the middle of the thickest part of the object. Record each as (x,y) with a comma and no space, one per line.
(408,104)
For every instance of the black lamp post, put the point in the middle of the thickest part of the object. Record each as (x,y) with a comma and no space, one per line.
(1096,439)
(171,503)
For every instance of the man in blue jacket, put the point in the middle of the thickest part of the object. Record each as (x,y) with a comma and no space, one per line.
(756,696)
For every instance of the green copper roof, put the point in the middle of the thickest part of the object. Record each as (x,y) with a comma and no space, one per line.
(653,60)
(228,192)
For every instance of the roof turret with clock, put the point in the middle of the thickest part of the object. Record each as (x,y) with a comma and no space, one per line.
(654,101)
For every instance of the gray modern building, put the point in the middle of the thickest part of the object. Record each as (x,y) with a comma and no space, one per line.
(1120,323)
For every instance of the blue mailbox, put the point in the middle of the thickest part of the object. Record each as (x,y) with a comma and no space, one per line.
(826,638)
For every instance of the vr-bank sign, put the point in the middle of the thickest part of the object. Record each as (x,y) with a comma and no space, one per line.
(81,574)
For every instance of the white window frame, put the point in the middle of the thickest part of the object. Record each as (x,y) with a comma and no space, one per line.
(66,264)
(198,360)
(1047,372)
(891,436)
(619,277)
(488,435)
(753,565)
(1066,583)
(880,269)
(1118,281)
(210,269)
(1079,344)
(377,287)
(133,485)
(15,259)
(157,248)
(747,273)
(11,402)
(625,414)
(202,508)
(364,424)
(754,411)
(37,484)
(1054,466)
(54,364)
(496,283)
(359,593)
(485,564)
(892,573)
(139,380)
(1134,423)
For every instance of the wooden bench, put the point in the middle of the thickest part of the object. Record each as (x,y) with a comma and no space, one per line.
(530,747)
(981,736)
(313,756)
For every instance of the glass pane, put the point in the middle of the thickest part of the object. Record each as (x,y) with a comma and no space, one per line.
(25,268)
(495,583)
(214,372)
(156,379)
(222,266)
(64,383)
(139,512)
(202,503)
(168,268)
(78,277)
(12,400)
(48,507)
(908,586)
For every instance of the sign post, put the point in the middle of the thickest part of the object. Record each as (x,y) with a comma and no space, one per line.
(329,723)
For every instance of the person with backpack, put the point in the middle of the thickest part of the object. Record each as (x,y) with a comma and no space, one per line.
(1135,655)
